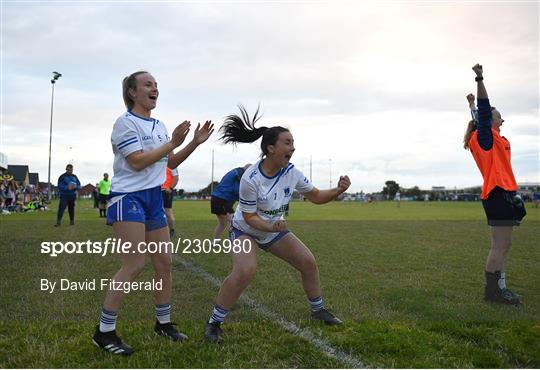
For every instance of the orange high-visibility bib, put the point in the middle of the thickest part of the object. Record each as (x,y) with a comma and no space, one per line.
(494,164)
(168,180)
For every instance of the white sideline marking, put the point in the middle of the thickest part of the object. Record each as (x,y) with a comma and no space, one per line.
(305,334)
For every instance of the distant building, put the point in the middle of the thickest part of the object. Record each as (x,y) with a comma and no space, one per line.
(86,190)
(20,174)
(33,178)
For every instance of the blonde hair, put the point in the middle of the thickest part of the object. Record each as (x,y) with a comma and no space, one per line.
(471,127)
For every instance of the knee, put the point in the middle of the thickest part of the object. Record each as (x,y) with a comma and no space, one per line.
(501,246)
(134,269)
(308,265)
(163,264)
(244,274)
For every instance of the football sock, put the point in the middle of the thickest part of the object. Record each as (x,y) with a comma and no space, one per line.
(502,281)
(163,313)
(107,322)
(218,314)
(316,303)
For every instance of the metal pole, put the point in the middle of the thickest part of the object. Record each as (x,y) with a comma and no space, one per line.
(50,142)
(56,76)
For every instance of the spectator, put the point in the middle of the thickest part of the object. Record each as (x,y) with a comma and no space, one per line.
(95,197)
(104,191)
(68,184)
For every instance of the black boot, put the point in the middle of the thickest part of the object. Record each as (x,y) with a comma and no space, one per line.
(493,293)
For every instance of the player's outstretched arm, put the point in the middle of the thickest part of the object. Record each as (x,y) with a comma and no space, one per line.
(324,196)
(139,160)
(200,136)
(481,88)
(485,137)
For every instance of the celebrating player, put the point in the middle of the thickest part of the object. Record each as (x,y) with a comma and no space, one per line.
(503,208)
(223,198)
(265,191)
(142,149)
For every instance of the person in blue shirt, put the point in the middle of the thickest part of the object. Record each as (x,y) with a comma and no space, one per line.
(223,198)
(68,184)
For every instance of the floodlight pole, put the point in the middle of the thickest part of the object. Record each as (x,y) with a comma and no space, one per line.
(56,76)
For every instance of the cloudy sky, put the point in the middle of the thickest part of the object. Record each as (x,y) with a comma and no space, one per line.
(375,90)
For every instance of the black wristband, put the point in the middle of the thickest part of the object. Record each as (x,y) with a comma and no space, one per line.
(478,79)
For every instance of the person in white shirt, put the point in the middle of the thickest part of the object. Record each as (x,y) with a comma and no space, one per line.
(142,150)
(265,191)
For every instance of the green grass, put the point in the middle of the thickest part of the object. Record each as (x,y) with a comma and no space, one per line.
(407,282)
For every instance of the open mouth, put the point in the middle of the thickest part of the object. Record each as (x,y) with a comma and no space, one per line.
(288,156)
(153,97)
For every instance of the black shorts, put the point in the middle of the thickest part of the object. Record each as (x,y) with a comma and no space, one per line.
(504,208)
(167,199)
(103,198)
(220,206)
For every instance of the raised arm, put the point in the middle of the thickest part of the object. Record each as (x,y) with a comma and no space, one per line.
(200,136)
(472,107)
(481,88)
(485,136)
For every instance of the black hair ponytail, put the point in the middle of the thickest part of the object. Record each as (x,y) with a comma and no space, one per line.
(242,129)
(238,129)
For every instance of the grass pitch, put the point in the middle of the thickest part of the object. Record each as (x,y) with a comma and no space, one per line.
(408,283)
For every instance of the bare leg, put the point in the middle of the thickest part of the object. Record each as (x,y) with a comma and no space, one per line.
(170,218)
(132,263)
(223,223)
(501,239)
(295,253)
(244,267)
(162,263)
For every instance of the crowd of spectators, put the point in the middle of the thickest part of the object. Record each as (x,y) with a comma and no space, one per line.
(16,198)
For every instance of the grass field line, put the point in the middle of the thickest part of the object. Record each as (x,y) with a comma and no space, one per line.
(305,334)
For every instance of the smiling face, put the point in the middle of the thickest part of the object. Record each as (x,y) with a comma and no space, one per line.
(145,93)
(282,151)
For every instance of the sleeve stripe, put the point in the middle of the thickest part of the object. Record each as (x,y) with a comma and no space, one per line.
(125,141)
(248,203)
(133,141)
